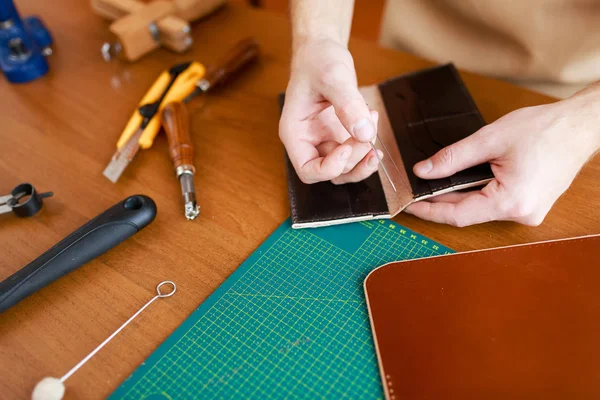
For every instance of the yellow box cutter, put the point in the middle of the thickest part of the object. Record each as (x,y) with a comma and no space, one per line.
(172,85)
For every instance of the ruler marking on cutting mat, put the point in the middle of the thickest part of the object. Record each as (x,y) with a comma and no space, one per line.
(291,321)
(212,322)
(310,326)
(324,348)
(270,313)
(341,268)
(294,298)
(307,256)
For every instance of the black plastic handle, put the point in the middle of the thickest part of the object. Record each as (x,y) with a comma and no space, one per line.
(88,242)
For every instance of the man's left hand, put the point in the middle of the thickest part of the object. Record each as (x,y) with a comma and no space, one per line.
(535,153)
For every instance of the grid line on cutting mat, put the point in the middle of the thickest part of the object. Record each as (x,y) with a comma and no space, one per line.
(290,322)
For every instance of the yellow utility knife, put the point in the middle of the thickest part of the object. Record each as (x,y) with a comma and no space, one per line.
(172,85)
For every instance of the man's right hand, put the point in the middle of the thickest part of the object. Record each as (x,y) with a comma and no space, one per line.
(326,125)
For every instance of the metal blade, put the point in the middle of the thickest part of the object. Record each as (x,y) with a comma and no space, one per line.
(4,207)
(122,157)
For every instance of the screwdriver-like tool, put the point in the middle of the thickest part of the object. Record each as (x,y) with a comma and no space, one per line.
(242,54)
(181,150)
(176,120)
(172,85)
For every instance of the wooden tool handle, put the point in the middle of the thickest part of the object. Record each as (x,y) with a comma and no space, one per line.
(176,122)
(243,53)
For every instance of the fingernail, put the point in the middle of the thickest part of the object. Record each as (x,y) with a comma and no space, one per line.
(423,167)
(344,155)
(372,163)
(364,130)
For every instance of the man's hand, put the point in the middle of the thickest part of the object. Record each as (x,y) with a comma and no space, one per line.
(326,125)
(535,154)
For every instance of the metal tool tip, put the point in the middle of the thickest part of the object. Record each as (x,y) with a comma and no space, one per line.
(110,50)
(105,50)
(192,210)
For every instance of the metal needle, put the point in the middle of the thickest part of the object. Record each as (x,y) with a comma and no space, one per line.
(385,171)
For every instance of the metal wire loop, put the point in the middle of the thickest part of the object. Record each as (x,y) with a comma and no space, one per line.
(169,294)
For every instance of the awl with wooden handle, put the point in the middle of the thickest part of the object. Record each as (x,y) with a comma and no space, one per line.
(181,151)
(239,56)
(176,121)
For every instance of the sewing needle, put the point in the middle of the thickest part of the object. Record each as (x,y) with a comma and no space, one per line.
(385,171)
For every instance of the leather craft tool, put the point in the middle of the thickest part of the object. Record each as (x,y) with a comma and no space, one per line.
(243,53)
(143,126)
(23,200)
(24,45)
(176,120)
(51,388)
(385,171)
(180,83)
(99,235)
(181,151)
(517,322)
(290,322)
(141,27)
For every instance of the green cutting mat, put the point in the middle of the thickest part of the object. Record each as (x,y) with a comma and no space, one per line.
(290,322)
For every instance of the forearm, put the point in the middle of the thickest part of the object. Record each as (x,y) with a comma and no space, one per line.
(587,105)
(321,19)
(579,116)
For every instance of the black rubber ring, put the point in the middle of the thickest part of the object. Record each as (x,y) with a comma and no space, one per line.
(30,206)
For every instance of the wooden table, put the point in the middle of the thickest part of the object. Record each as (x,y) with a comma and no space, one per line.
(59,132)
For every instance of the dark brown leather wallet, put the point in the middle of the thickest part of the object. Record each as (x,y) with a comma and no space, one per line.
(519,322)
(419,114)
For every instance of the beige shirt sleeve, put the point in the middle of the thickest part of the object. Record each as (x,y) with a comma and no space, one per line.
(550,45)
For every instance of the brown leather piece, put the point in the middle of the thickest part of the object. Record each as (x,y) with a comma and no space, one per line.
(519,322)
(429,110)
(420,113)
(321,203)
(400,198)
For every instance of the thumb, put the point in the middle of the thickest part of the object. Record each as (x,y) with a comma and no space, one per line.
(350,107)
(473,150)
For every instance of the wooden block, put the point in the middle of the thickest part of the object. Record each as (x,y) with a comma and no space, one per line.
(192,10)
(177,45)
(115,9)
(133,30)
(173,27)
(174,32)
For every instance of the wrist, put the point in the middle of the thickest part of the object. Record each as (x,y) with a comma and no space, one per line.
(312,54)
(303,39)
(318,20)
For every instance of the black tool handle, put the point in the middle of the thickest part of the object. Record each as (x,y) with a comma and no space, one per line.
(88,242)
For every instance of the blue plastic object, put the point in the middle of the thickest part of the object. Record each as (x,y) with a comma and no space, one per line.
(23,45)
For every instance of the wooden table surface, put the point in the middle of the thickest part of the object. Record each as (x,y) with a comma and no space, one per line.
(59,132)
